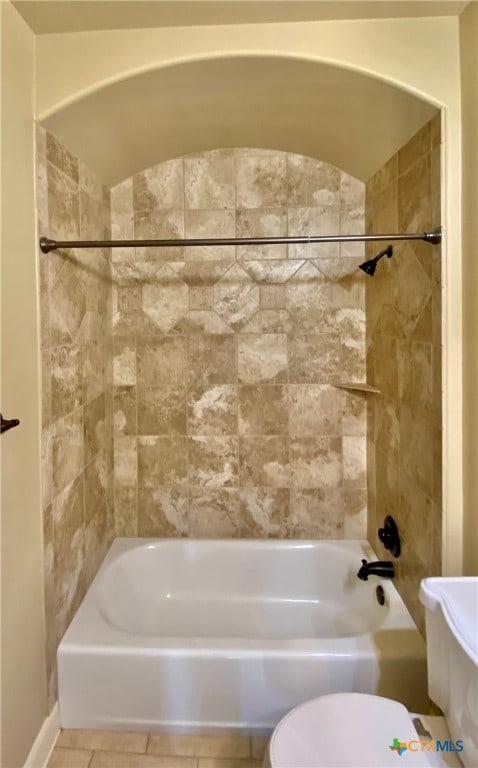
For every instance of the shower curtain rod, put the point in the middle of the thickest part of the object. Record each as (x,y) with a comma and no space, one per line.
(47,245)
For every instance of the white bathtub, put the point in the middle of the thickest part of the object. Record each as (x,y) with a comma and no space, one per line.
(188,634)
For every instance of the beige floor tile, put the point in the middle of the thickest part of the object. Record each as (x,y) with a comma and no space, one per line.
(227,745)
(220,762)
(130,760)
(258,746)
(69,758)
(109,741)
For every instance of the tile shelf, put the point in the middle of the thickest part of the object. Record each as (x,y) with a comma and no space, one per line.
(367,388)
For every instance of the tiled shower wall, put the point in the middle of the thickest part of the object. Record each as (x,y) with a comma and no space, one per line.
(226,420)
(77,438)
(403,308)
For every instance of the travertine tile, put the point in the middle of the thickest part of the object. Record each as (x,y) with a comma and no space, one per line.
(261,182)
(200,225)
(261,222)
(209,182)
(213,461)
(212,410)
(159,225)
(229,745)
(262,358)
(263,511)
(162,511)
(264,461)
(201,297)
(125,410)
(320,220)
(161,361)
(263,410)
(272,297)
(126,460)
(212,360)
(315,513)
(314,409)
(214,512)
(311,182)
(61,158)
(67,449)
(314,357)
(236,297)
(354,461)
(161,461)
(69,758)
(159,187)
(355,513)
(125,511)
(165,303)
(162,410)
(316,462)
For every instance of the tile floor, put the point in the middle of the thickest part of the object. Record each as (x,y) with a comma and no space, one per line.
(120,749)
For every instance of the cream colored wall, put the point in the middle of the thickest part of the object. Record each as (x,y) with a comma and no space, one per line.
(23,637)
(419,55)
(469,85)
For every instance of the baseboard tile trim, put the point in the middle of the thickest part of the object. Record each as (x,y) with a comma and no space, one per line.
(45,741)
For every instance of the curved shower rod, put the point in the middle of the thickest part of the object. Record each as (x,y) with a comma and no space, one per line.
(47,245)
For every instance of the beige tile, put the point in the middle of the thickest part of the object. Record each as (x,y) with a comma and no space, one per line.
(312,182)
(315,513)
(159,225)
(259,745)
(316,462)
(162,410)
(272,273)
(69,758)
(272,297)
(200,224)
(236,297)
(314,358)
(263,511)
(161,461)
(61,158)
(213,410)
(314,409)
(261,182)
(214,512)
(419,145)
(119,741)
(159,187)
(213,461)
(264,461)
(262,358)
(319,220)
(67,449)
(261,222)
(209,182)
(212,360)
(166,302)
(227,746)
(162,511)
(263,410)
(161,361)
(354,461)
(212,762)
(124,417)
(201,297)
(129,760)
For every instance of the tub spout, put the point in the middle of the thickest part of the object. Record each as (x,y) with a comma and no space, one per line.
(383,568)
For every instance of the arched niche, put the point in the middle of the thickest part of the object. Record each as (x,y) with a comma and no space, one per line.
(340,115)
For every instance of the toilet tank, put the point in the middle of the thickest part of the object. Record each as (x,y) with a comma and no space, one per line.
(451,609)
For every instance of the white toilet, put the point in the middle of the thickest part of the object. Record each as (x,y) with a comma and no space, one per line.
(355,730)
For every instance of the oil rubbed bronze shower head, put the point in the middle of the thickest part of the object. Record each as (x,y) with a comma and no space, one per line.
(371,265)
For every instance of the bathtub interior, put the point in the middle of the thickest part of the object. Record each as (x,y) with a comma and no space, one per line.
(214,635)
(263,590)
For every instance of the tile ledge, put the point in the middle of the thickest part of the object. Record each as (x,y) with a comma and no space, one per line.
(360,387)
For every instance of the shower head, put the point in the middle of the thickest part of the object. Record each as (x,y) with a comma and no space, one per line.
(371,265)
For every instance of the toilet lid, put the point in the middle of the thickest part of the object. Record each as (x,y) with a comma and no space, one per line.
(346,730)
